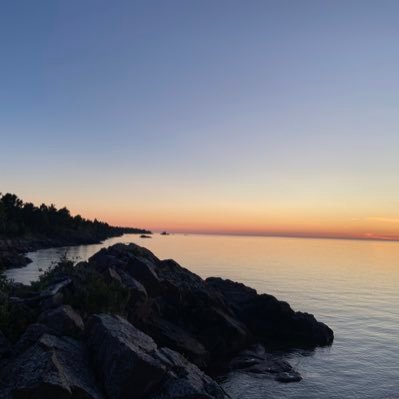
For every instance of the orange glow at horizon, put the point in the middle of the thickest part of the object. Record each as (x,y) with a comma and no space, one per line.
(301,223)
(339,217)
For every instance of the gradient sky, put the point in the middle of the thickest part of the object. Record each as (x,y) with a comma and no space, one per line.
(274,117)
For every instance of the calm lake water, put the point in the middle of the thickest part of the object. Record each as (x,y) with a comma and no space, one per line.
(353,286)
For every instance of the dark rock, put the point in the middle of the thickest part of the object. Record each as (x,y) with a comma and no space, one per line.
(168,334)
(31,335)
(128,361)
(257,361)
(271,321)
(136,261)
(144,271)
(52,367)
(190,303)
(138,292)
(123,357)
(292,376)
(5,346)
(184,380)
(176,296)
(64,320)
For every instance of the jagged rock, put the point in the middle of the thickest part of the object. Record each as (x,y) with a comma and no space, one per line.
(30,336)
(123,357)
(176,296)
(144,271)
(190,303)
(136,261)
(208,322)
(128,361)
(271,321)
(138,292)
(257,361)
(168,334)
(64,320)
(184,380)
(52,367)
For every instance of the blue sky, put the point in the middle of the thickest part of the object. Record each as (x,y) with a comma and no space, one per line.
(130,109)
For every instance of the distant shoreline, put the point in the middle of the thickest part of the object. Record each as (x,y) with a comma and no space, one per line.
(312,237)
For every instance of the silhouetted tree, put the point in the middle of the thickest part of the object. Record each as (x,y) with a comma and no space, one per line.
(18,218)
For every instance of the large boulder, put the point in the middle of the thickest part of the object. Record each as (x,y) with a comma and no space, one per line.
(180,306)
(184,380)
(52,367)
(136,261)
(271,321)
(64,320)
(130,363)
(123,357)
(168,334)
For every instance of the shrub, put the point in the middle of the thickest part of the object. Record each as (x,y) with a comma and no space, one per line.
(93,294)
(14,317)
(62,269)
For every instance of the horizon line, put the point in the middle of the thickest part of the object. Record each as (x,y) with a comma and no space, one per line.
(283,235)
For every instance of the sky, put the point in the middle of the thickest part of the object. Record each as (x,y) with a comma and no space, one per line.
(256,117)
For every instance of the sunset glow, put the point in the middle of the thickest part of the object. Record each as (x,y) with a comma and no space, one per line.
(258,119)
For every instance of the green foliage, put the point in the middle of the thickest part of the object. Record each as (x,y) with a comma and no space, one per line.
(90,293)
(93,294)
(14,317)
(62,269)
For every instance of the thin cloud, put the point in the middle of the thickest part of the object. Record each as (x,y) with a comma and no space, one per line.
(384,220)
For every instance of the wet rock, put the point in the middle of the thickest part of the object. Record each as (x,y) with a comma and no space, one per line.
(52,367)
(292,376)
(259,362)
(64,320)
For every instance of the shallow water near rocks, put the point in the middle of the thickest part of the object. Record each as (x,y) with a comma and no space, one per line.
(353,286)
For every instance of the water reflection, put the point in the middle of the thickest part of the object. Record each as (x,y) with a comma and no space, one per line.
(353,286)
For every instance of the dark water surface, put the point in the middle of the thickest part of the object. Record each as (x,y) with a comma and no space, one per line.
(353,286)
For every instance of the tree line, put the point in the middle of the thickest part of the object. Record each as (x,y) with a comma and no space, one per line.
(18,218)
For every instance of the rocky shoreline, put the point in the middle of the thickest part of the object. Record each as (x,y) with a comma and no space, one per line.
(126,324)
(13,251)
